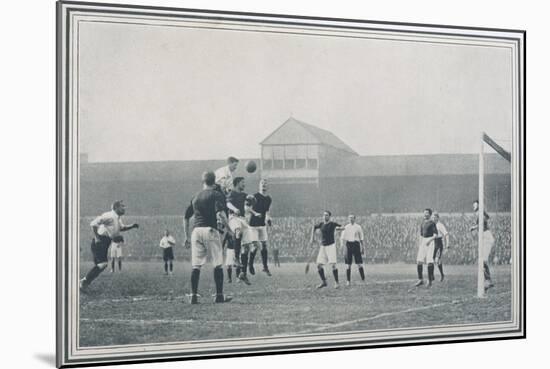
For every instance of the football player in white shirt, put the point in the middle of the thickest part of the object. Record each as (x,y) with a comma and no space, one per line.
(106,229)
(224,175)
(352,237)
(441,241)
(166,244)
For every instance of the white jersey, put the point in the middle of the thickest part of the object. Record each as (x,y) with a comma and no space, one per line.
(167,241)
(109,224)
(441,230)
(224,178)
(352,233)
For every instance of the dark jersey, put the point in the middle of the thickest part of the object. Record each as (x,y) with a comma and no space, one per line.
(204,207)
(261,206)
(327,232)
(228,241)
(237,199)
(428,228)
(485,220)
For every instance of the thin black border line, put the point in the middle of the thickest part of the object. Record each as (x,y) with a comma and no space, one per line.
(262,21)
(291,16)
(522,83)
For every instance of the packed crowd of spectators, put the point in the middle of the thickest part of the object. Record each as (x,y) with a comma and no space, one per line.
(388,238)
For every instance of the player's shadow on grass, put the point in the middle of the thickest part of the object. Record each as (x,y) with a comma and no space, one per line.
(46,358)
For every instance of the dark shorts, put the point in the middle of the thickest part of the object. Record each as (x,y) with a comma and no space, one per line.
(100,249)
(168,254)
(438,248)
(353,251)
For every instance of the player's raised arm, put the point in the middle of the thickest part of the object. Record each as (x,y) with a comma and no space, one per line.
(124,227)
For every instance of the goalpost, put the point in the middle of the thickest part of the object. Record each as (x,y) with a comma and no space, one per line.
(485,139)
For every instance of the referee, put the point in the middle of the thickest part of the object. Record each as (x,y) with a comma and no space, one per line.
(353,238)
(207,207)
(106,229)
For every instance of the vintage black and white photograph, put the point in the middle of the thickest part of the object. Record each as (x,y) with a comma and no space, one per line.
(239,183)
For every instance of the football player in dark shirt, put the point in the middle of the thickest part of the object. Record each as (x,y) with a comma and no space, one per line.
(245,236)
(260,222)
(428,233)
(208,208)
(327,250)
(488,243)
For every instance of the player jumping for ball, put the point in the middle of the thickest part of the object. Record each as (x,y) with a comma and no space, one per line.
(106,229)
(245,236)
(428,232)
(441,241)
(353,237)
(224,175)
(207,208)
(327,249)
(261,207)
(488,243)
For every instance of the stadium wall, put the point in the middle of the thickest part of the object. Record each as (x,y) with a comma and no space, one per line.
(361,195)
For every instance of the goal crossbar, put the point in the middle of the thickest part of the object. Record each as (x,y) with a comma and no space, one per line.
(489,141)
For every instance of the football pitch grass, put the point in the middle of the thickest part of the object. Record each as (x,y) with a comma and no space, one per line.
(142,305)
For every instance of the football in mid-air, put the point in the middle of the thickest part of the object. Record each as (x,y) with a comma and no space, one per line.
(250,166)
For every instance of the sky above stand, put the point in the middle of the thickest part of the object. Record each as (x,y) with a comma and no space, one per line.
(169,93)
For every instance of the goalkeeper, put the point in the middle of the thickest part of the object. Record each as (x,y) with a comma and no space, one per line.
(106,229)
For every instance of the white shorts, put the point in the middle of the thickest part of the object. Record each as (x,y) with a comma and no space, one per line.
(488,243)
(204,239)
(235,222)
(425,251)
(327,254)
(262,233)
(250,235)
(230,257)
(116,250)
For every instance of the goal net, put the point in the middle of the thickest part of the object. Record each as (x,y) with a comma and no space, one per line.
(493,197)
